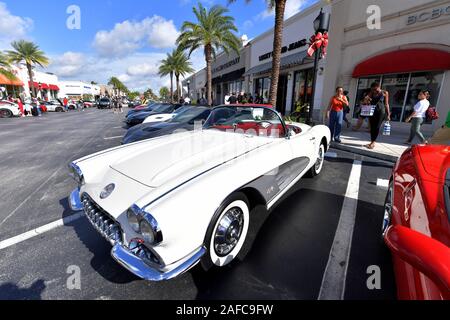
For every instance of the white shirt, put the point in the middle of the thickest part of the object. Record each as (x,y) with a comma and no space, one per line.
(421,108)
(187,100)
(226,99)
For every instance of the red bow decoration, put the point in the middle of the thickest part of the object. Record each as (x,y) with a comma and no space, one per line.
(318,41)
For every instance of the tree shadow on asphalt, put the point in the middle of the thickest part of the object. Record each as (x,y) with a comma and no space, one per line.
(10,291)
(101,262)
(291,251)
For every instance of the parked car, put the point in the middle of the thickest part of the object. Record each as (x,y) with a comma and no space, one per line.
(185,120)
(139,117)
(161,117)
(144,107)
(53,106)
(9,109)
(416,225)
(104,103)
(171,202)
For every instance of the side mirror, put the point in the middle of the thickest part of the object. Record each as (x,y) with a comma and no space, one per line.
(429,256)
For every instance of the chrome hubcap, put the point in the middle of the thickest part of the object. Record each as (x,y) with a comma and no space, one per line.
(228,232)
(387,211)
(319,161)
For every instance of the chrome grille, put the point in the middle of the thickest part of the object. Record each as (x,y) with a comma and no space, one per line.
(101,220)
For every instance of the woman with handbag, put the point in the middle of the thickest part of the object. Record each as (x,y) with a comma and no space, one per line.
(380,112)
(417,117)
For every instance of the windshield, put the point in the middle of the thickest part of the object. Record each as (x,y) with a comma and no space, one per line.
(163,108)
(250,120)
(187,114)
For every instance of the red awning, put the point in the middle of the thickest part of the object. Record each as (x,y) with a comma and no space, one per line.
(34,84)
(54,87)
(44,86)
(408,60)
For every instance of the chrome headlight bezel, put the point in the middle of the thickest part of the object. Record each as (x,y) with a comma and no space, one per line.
(76,173)
(137,218)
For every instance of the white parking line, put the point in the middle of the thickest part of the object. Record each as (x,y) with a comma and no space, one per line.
(333,281)
(38,231)
(112,138)
(383,183)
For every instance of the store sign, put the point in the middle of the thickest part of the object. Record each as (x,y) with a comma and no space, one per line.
(227,65)
(292,46)
(428,15)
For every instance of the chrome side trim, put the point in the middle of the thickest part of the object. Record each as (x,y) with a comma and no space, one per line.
(75,201)
(139,268)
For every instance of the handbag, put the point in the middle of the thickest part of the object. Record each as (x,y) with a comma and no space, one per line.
(367,110)
(387,129)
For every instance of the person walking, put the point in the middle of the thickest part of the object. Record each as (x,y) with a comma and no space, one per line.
(417,117)
(442,136)
(20,104)
(381,112)
(335,114)
(66,102)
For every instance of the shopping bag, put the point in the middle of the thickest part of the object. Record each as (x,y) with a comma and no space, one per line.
(367,111)
(387,129)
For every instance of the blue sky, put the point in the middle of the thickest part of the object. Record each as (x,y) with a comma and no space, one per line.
(124,38)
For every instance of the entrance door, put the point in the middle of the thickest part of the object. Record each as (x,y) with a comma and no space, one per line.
(282,94)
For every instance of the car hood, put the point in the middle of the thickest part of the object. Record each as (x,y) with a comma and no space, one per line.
(185,155)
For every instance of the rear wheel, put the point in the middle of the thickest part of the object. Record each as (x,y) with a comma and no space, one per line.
(227,232)
(5,113)
(59,109)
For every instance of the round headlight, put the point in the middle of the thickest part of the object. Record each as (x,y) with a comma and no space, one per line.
(147,232)
(133,220)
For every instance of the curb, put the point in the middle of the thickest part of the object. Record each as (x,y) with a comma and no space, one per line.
(366,153)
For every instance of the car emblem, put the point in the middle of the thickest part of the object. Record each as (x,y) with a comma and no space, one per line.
(106,192)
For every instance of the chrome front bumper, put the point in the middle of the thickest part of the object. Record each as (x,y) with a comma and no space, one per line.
(139,268)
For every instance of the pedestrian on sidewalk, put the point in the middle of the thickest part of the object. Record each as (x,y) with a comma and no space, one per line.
(417,117)
(442,136)
(380,100)
(20,104)
(66,102)
(335,114)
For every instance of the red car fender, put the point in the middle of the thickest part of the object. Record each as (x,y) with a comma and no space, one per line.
(425,254)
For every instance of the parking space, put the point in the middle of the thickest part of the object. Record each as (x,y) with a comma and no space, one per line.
(292,255)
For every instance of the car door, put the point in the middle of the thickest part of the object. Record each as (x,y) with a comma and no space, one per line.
(303,145)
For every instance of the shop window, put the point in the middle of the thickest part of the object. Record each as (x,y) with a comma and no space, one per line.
(403,91)
(263,88)
(302,88)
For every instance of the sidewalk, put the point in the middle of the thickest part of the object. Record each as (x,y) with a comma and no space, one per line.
(388,148)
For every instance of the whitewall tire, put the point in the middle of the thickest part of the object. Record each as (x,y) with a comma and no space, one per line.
(228,232)
(318,165)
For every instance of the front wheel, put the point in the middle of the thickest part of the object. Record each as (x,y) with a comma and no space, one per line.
(5,113)
(318,165)
(227,232)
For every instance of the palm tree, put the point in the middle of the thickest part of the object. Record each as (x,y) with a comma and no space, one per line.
(181,67)
(118,86)
(28,52)
(5,67)
(213,31)
(167,68)
(280,6)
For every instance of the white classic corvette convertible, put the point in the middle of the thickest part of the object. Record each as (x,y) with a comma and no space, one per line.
(168,203)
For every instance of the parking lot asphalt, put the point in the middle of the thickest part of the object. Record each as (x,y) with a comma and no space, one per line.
(292,257)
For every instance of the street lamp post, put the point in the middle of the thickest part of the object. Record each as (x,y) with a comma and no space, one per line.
(189,88)
(321,24)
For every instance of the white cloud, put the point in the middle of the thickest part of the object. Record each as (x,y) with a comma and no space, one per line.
(129,36)
(12,27)
(138,70)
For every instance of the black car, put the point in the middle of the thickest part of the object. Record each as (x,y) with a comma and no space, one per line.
(139,117)
(104,103)
(185,120)
(149,107)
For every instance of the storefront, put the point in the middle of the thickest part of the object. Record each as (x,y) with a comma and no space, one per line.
(228,75)
(408,53)
(195,86)
(45,84)
(296,67)
(10,87)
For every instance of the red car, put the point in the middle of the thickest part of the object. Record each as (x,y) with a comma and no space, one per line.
(416,225)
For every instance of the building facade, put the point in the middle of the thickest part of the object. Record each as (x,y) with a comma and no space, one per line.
(409,51)
(195,85)
(78,89)
(296,75)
